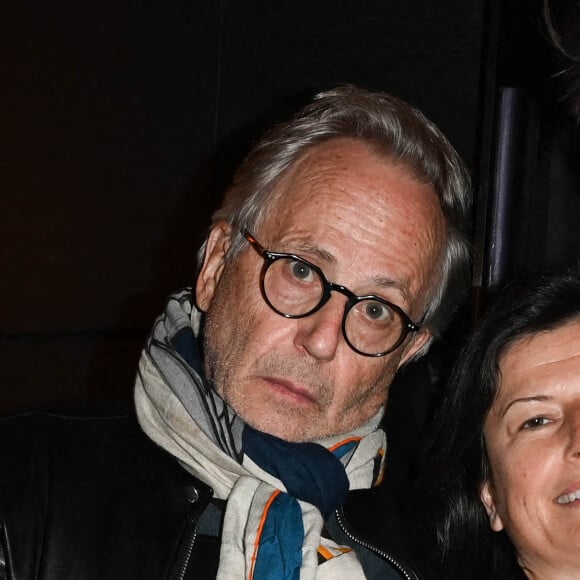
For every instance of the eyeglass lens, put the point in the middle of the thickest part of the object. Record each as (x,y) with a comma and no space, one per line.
(295,289)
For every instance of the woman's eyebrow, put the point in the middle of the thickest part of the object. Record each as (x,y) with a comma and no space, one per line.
(532,399)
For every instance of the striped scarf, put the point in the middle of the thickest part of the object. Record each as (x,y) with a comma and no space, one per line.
(278,493)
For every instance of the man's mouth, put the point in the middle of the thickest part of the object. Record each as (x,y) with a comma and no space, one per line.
(291,389)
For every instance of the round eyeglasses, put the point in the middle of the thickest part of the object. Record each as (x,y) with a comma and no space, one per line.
(295,288)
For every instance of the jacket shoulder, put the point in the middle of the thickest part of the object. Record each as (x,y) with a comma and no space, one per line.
(89,496)
(43,453)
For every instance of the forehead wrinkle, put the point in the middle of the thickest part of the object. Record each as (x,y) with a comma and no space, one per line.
(326,174)
(310,248)
(375,281)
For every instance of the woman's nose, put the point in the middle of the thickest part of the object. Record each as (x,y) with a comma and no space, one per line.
(574,432)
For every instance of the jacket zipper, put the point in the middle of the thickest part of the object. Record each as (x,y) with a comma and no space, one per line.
(340,518)
(180,570)
(185,562)
(395,563)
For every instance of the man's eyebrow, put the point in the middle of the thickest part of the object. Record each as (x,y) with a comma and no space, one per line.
(381,281)
(532,399)
(390,283)
(313,250)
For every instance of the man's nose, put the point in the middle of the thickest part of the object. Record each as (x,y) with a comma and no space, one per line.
(320,333)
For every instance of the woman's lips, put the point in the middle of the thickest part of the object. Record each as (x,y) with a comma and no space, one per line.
(570,494)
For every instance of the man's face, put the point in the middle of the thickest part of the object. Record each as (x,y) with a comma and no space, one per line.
(369,226)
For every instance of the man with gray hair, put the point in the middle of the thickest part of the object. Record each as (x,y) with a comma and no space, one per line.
(335,258)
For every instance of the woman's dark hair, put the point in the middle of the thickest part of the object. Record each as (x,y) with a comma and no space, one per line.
(468,546)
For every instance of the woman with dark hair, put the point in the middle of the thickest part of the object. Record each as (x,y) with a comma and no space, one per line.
(509,440)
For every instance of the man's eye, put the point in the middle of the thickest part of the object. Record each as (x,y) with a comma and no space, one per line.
(302,271)
(534,423)
(376,311)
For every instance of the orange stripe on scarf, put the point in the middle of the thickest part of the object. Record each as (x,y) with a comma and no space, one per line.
(261,529)
(343,442)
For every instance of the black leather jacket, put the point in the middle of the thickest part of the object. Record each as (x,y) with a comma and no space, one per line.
(94,498)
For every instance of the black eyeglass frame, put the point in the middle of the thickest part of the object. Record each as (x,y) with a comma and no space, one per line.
(328,287)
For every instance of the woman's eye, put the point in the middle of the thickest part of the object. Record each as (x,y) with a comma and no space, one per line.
(302,271)
(534,423)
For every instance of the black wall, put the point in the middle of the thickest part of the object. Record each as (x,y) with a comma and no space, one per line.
(529,198)
(121,122)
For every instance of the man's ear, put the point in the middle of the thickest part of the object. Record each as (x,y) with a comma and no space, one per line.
(419,341)
(218,243)
(486,496)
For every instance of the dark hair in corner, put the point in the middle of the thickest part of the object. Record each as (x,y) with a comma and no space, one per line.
(562,24)
(466,541)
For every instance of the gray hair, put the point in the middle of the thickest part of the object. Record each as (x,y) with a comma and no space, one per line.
(390,127)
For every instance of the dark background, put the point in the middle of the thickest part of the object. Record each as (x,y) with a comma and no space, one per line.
(122,122)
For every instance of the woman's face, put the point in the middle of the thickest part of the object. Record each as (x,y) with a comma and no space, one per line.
(532,436)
